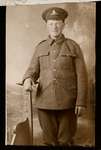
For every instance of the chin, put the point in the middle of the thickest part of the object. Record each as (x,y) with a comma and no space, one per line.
(55,35)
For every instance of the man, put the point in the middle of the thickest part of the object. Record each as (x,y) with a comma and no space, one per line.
(59,66)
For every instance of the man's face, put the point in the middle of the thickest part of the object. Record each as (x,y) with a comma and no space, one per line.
(55,27)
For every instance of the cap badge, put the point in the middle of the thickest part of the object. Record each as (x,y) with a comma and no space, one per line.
(54,13)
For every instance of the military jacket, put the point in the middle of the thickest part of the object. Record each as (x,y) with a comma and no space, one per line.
(60,68)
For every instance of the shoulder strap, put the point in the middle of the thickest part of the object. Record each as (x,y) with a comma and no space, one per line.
(70,46)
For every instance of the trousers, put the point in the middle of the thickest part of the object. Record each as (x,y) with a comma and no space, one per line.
(58,126)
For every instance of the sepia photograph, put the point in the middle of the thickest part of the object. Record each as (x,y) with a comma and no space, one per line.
(50,74)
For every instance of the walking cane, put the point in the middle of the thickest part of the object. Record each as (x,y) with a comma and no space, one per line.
(29,121)
(31,116)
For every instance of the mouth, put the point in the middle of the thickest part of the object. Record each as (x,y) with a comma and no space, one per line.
(55,31)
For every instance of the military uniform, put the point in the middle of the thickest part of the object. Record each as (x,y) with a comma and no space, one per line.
(59,66)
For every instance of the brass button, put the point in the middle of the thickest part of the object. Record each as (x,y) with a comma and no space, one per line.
(54,69)
(54,60)
(54,79)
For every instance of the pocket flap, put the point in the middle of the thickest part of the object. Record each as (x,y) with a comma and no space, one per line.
(44,53)
(67,54)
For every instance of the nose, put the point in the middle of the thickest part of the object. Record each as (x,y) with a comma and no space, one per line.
(54,26)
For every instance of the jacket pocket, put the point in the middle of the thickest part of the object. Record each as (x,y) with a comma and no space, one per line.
(44,60)
(66,61)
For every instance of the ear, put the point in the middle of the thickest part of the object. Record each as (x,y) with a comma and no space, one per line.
(63,25)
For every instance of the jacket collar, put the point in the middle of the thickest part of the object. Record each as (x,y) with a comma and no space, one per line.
(59,40)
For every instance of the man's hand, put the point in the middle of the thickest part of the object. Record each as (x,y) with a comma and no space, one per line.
(80,110)
(28,84)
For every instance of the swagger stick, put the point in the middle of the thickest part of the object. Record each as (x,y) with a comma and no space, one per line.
(31,115)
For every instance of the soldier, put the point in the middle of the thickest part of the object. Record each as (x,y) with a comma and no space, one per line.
(61,95)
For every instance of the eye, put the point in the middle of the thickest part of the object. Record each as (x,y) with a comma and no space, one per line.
(50,24)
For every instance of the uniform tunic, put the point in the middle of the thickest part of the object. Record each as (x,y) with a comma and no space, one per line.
(59,66)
